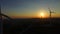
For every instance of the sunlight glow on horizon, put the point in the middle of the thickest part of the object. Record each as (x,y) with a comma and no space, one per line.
(42,15)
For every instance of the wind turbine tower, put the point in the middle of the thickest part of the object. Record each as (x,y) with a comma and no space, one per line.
(50,13)
(0,13)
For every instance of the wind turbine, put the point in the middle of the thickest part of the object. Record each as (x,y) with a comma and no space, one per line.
(50,12)
(3,15)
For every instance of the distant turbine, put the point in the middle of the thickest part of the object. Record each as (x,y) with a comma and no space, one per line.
(50,12)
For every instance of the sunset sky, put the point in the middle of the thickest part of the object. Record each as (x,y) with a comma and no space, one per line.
(30,8)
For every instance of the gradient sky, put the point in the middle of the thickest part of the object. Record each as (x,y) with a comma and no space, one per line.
(29,8)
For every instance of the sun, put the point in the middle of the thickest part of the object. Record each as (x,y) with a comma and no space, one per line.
(42,15)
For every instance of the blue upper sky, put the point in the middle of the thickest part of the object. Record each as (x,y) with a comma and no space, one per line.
(28,7)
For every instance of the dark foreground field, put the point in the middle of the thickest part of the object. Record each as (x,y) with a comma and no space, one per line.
(31,26)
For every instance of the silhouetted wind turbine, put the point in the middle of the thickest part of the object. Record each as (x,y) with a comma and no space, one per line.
(50,12)
(3,15)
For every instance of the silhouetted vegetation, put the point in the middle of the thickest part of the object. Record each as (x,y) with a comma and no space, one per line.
(31,26)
